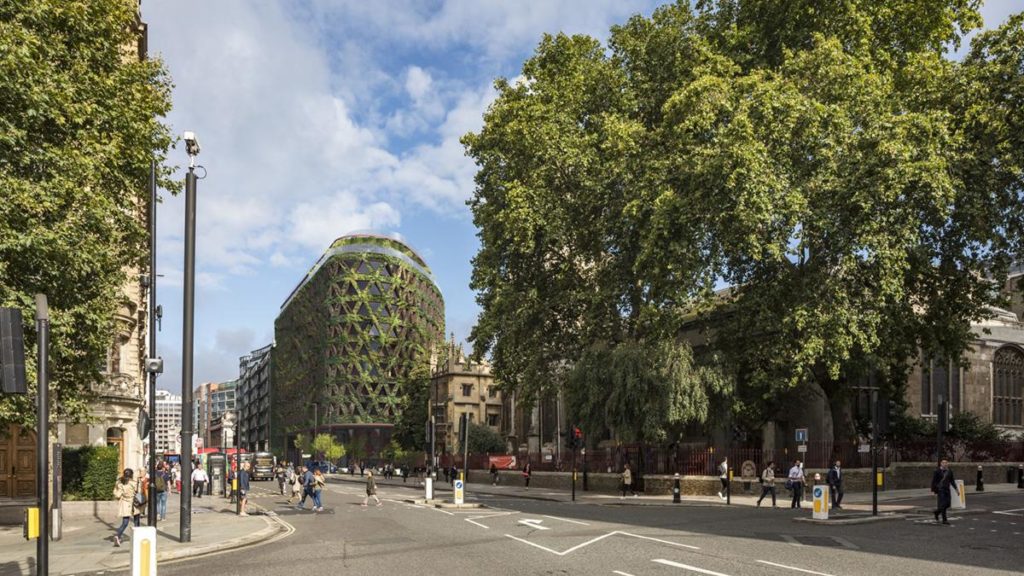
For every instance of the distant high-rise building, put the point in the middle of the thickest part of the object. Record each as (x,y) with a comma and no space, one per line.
(212,400)
(348,339)
(253,399)
(167,421)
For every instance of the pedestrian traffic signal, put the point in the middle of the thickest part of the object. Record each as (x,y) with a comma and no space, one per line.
(12,352)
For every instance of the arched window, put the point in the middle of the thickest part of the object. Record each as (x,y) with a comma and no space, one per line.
(1008,387)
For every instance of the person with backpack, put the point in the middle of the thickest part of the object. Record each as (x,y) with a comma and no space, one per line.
(307,488)
(279,475)
(160,483)
(767,479)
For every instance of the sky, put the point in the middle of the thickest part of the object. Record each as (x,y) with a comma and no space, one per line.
(319,118)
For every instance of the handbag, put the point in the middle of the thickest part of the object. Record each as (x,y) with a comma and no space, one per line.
(140,496)
(789,484)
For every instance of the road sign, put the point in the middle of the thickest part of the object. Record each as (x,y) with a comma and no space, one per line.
(801,448)
(801,434)
(459,496)
(864,448)
(820,503)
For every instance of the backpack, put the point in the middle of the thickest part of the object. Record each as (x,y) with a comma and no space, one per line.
(160,484)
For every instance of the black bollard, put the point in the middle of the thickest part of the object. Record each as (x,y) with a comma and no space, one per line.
(1020,476)
(980,486)
(675,489)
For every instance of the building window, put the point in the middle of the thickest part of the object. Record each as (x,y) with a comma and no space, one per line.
(939,377)
(492,420)
(467,389)
(1008,387)
(491,392)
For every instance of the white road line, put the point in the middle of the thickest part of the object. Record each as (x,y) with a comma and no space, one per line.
(1014,512)
(791,540)
(688,567)
(545,548)
(845,543)
(566,520)
(621,573)
(659,540)
(470,520)
(588,543)
(793,568)
(532,523)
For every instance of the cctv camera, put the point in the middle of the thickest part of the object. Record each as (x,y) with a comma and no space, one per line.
(191,143)
(155,365)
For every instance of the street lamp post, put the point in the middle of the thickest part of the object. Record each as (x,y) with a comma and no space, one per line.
(188,337)
(43,433)
(152,339)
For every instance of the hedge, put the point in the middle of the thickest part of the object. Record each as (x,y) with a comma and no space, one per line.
(89,472)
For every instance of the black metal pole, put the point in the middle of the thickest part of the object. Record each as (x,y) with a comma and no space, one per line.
(43,434)
(152,341)
(728,486)
(585,485)
(874,453)
(236,486)
(573,469)
(188,334)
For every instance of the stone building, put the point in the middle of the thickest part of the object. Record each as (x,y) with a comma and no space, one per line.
(460,386)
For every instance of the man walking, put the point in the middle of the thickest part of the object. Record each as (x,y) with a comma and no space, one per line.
(835,485)
(627,481)
(942,483)
(723,477)
(308,482)
(199,479)
(768,483)
(795,481)
(243,488)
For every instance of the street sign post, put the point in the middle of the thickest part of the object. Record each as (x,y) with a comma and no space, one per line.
(459,496)
(820,503)
(801,435)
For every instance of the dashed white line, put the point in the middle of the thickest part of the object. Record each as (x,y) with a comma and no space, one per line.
(805,571)
(659,540)
(621,573)
(687,567)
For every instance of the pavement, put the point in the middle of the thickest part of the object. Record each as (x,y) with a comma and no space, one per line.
(87,544)
(889,501)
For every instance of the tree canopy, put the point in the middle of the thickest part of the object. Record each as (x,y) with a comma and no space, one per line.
(79,125)
(856,191)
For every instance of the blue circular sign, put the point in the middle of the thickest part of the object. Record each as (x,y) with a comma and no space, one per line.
(817,492)
(458,484)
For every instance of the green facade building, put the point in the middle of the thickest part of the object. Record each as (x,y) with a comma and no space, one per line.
(348,339)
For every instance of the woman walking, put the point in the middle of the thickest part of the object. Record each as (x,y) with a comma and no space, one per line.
(371,489)
(296,485)
(527,471)
(318,485)
(768,483)
(127,508)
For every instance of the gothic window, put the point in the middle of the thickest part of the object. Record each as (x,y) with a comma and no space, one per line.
(939,377)
(1008,387)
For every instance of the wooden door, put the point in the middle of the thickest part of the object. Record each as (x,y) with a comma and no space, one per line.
(17,463)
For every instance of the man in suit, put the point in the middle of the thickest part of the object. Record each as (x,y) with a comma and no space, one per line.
(942,483)
(835,485)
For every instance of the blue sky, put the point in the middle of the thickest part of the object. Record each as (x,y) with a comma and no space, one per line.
(320,118)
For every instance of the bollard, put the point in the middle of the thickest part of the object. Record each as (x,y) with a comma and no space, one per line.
(675,489)
(980,486)
(1020,476)
(143,561)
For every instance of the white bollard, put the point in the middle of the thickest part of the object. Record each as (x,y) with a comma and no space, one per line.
(429,485)
(821,503)
(144,551)
(958,497)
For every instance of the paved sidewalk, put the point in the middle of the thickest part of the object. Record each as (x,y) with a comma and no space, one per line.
(889,501)
(87,544)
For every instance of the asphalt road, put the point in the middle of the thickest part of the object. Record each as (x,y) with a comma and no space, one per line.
(518,536)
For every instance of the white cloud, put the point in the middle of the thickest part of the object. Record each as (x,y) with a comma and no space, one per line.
(316,224)
(417,83)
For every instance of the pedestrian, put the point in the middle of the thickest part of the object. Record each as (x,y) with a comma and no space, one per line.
(494,474)
(446,474)
(243,488)
(795,481)
(176,476)
(627,481)
(295,485)
(942,483)
(768,483)
(199,479)
(280,476)
(723,477)
(371,490)
(127,492)
(835,484)
(405,473)
(160,486)
(307,488)
(455,474)
(318,486)
(527,472)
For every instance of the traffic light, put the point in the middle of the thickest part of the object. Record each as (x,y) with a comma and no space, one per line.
(577,437)
(12,352)
(887,411)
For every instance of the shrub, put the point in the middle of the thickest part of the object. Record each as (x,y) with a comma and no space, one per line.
(89,472)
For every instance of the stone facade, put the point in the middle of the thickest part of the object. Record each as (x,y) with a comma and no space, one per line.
(459,386)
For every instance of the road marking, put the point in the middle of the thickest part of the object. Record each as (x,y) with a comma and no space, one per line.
(793,568)
(533,523)
(1014,512)
(688,567)
(845,543)
(597,539)
(474,519)
(621,573)
(659,540)
(566,520)
(791,540)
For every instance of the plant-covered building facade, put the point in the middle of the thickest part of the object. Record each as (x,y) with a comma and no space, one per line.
(347,341)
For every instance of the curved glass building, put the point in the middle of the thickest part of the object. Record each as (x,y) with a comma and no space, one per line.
(348,338)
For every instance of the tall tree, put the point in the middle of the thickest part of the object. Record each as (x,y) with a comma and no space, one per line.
(856,189)
(79,125)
